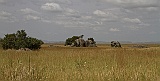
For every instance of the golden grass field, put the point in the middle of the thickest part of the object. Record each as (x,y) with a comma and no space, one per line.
(102,63)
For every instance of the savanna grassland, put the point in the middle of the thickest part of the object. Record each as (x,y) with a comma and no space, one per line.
(101,63)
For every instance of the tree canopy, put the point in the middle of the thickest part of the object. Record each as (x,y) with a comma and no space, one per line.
(69,41)
(20,40)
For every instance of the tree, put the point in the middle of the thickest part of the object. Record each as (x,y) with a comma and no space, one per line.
(20,40)
(33,43)
(91,39)
(69,41)
(8,42)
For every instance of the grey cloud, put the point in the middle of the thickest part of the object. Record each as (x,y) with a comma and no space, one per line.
(29,11)
(135,3)
(104,13)
(100,13)
(71,13)
(143,6)
(51,7)
(135,20)
(71,23)
(86,17)
(106,16)
(114,29)
(56,1)
(7,16)
(69,10)
(134,27)
(31,17)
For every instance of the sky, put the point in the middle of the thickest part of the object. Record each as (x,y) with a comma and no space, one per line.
(103,20)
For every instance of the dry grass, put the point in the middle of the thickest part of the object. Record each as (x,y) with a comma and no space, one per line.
(81,64)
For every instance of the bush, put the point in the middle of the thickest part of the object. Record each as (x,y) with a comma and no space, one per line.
(20,40)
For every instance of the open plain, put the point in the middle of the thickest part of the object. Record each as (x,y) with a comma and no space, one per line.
(102,63)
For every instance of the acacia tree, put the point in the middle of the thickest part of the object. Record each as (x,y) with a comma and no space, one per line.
(91,39)
(69,41)
(21,37)
(8,42)
(33,43)
(20,40)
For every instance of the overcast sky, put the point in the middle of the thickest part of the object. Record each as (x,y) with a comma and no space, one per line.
(104,20)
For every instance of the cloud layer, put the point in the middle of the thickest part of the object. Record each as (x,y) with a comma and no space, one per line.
(99,18)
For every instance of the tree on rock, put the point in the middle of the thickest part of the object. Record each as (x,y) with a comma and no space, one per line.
(20,40)
(69,41)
